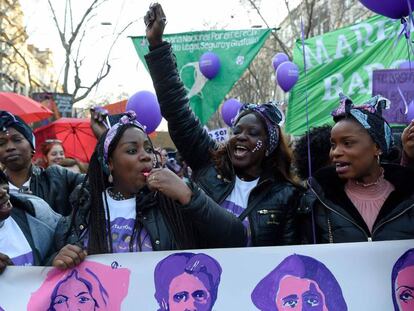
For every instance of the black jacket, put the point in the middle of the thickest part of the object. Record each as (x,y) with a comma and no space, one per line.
(207,232)
(337,219)
(272,202)
(54,185)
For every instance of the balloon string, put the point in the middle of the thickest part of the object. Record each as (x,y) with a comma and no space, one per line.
(307,123)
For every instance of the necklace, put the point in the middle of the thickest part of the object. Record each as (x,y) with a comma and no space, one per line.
(380,177)
(117,196)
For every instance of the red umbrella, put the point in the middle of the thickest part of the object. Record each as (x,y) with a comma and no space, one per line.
(24,107)
(76,136)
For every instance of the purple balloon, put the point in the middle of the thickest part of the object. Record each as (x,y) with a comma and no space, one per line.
(406,65)
(145,105)
(209,64)
(278,59)
(287,74)
(391,8)
(410,113)
(229,110)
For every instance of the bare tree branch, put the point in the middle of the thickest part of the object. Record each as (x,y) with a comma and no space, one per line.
(281,43)
(292,23)
(16,50)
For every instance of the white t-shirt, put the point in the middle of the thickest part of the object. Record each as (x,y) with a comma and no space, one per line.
(238,199)
(14,189)
(13,243)
(122,217)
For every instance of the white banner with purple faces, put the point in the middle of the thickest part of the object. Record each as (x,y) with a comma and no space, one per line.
(369,276)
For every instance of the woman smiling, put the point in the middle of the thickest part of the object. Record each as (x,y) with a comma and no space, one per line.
(130,205)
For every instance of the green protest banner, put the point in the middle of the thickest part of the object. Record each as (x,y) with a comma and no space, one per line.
(342,61)
(236,49)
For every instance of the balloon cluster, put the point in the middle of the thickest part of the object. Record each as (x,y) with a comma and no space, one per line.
(287,73)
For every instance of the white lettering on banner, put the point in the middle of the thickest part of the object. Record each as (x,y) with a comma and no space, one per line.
(333,86)
(362,39)
(341,45)
(349,276)
(357,85)
(335,83)
(321,54)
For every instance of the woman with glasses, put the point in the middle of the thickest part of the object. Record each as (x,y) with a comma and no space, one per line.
(128,204)
(52,151)
(17,147)
(250,175)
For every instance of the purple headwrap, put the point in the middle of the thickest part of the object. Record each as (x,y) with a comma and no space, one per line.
(128,118)
(272,116)
(369,115)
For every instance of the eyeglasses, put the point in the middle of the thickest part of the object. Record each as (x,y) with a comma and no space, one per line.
(53,141)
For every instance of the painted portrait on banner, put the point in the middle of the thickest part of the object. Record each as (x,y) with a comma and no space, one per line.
(299,283)
(402,278)
(187,281)
(89,286)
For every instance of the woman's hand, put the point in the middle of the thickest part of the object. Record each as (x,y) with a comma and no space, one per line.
(4,262)
(167,182)
(99,121)
(407,139)
(69,256)
(155,22)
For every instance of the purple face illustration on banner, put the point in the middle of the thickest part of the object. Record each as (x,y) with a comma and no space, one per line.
(187,292)
(187,281)
(403,282)
(73,293)
(299,283)
(299,294)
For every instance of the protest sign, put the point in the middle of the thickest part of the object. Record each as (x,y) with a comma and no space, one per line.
(235,49)
(341,61)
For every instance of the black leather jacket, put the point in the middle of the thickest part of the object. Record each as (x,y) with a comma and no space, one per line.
(54,185)
(337,219)
(213,227)
(272,203)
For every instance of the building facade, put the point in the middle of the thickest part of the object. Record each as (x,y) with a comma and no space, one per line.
(24,68)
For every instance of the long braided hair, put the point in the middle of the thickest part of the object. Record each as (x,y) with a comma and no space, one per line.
(99,229)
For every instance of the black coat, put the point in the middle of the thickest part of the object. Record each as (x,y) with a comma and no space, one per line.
(337,219)
(272,203)
(54,185)
(230,233)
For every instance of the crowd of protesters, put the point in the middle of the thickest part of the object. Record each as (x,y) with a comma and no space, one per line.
(251,191)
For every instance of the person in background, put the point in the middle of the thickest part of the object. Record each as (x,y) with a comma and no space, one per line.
(17,147)
(130,205)
(320,145)
(73,165)
(360,198)
(249,176)
(52,151)
(27,227)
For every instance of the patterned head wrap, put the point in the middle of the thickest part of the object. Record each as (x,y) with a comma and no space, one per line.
(369,115)
(271,115)
(9,120)
(128,118)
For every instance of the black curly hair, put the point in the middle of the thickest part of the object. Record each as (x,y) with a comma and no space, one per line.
(320,145)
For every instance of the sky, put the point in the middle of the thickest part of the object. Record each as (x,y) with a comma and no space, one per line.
(128,75)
